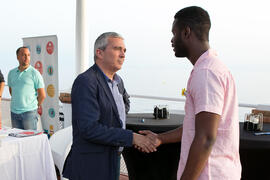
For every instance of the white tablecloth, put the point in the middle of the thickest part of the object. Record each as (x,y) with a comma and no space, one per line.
(27,158)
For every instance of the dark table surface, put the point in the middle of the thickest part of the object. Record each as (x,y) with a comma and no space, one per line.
(249,141)
(254,150)
(159,165)
(140,121)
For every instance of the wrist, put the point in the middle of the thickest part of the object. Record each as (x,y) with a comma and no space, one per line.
(134,137)
(159,136)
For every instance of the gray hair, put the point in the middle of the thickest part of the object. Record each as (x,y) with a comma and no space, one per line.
(102,41)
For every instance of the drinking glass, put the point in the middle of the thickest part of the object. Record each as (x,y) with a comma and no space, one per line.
(246,121)
(258,122)
(161,112)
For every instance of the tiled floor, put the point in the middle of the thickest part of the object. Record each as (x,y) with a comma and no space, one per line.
(123,170)
(123,177)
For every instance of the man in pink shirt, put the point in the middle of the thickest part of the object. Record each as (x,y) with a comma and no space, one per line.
(210,133)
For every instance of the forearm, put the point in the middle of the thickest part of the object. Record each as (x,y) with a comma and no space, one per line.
(172,136)
(41,96)
(198,155)
(2,85)
(40,100)
(102,134)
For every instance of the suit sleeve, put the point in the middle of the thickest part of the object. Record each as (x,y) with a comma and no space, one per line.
(87,114)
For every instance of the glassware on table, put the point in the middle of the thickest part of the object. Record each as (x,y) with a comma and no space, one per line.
(161,112)
(246,121)
(253,122)
(257,122)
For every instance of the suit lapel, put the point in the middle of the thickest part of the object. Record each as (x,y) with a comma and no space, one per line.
(104,84)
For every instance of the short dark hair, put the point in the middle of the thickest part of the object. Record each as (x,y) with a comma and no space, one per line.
(18,50)
(197,19)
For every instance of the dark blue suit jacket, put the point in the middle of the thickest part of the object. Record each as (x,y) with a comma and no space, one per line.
(97,132)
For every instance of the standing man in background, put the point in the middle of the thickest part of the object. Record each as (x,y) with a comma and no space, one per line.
(2,85)
(98,116)
(26,87)
(210,133)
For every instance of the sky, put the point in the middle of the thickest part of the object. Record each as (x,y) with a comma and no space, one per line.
(239,33)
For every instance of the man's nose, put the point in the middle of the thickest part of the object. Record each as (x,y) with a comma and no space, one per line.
(122,53)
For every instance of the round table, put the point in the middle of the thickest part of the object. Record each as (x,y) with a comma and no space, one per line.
(142,121)
(163,164)
(249,141)
(254,154)
(159,165)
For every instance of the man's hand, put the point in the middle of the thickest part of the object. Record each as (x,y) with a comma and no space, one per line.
(173,136)
(153,136)
(144,143)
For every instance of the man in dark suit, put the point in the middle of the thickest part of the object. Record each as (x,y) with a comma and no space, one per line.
(98,116)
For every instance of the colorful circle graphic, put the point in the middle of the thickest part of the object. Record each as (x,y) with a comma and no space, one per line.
(51,113)
(51,130)
(50,70)
(50,90)
(38,49)
(50,47)
(39,66)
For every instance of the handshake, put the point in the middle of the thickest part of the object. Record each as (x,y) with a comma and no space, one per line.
(146,141)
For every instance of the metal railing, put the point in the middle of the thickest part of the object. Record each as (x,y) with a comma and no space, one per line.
(245,105)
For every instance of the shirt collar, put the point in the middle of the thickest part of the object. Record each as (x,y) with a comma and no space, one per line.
(25,69)
(115,77)
(206,54)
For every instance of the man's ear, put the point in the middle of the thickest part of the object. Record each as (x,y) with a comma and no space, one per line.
(99,53)
(187,32)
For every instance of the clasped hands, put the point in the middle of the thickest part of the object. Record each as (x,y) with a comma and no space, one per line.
(146,141)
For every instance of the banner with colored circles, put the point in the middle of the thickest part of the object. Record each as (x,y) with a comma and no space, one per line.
(44,57)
